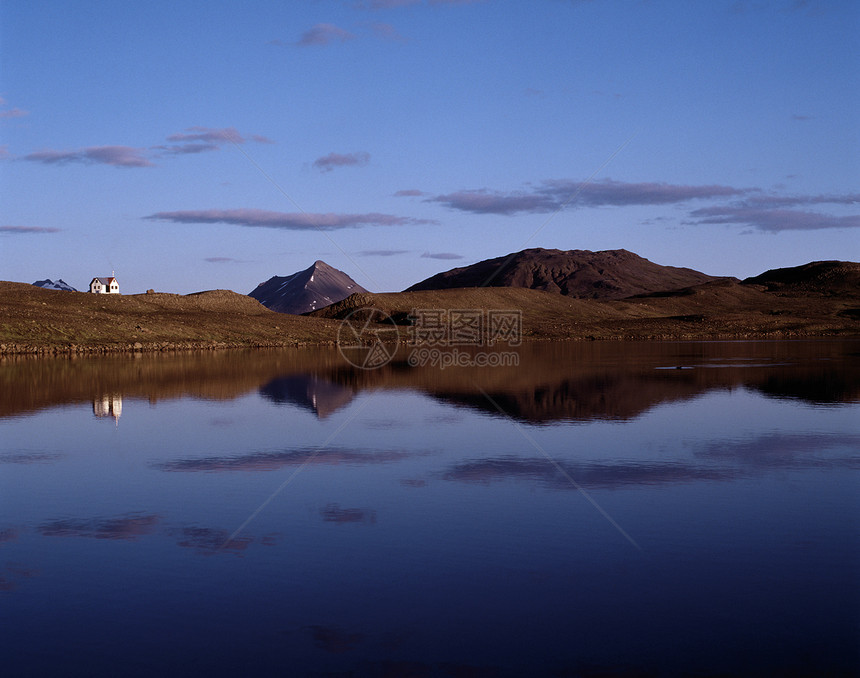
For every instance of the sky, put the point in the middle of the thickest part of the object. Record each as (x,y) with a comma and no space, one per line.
(191,145)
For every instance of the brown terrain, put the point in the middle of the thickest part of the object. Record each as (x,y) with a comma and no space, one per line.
(609,274)
(34,320)
(817,299)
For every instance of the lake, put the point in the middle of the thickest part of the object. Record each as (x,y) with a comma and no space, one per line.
(599,509)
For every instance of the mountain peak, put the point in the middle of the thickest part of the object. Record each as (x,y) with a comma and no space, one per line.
(311,289)
(59,284)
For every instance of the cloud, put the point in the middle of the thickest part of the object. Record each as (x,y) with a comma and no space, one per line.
(772,220)
(386,32)
(13,113)
(409,193)
(203,139)
(382,253)
(556,194)
(118,156)
(187,149)
(209,135)
(28,229)
(384,4)
(254,218)
(328,162)
(323,34)
(441,255)
(482,201)
(772,201)
(802,118)
(751,207)
(622,194)
(223,260)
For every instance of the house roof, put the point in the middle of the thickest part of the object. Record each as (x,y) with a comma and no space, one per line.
(103,281)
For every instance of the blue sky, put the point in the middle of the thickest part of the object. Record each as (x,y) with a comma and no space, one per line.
(200,145)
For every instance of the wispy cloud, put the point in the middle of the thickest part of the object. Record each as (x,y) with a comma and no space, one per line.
(296,221)
(323,34)
(773,220)
(8,113)
(329,162)
(384,4)
(203,139)
(386,32)
(483,201)
(382,253)
(802,118)
(441,255)
(192,141)
(13,113)
(554,194)
(224,260)
(751,207)
(28,229)
(118,156)
(409,193)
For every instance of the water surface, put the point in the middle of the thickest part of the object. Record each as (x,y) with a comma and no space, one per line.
(602,509)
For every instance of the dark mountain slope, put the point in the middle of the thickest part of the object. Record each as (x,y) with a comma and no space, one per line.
(817,277)
(609,274)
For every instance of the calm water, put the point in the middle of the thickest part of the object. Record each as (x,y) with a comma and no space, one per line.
(604,509)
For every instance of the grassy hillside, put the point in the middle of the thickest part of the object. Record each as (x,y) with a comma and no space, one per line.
(35,319)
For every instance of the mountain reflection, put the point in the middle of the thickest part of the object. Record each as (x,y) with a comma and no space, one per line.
(573,381)
(308,391)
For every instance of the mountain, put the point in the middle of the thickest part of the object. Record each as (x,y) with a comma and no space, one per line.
(60,284)
(609,274)
(816,277)
(308,290)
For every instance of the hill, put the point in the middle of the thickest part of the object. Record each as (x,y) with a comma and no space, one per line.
(582,274)
(817,277)
(38,320)
(305,291)
(719,308)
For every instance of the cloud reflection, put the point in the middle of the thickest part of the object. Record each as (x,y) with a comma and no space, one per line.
(128,527)
(29,457)
(334,513)
(599,475)
(209,540)
(272,461)
(785,450)
(334,640)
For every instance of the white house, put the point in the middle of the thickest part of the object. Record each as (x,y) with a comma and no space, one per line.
(104,286)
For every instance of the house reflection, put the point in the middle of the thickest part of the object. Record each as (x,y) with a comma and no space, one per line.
(108,406)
